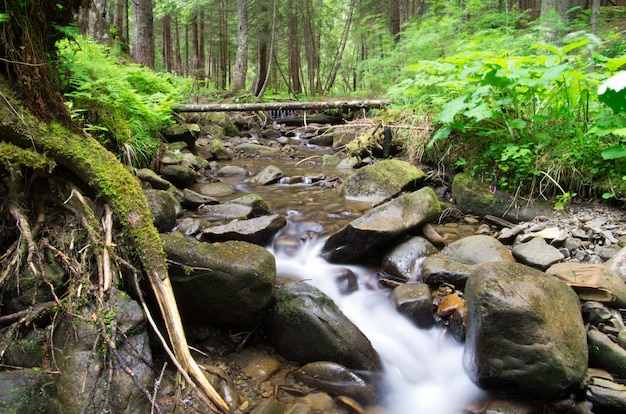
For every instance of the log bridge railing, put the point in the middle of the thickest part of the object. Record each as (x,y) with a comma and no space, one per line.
(278,106)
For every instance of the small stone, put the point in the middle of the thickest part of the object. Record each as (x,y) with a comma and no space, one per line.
(449,304)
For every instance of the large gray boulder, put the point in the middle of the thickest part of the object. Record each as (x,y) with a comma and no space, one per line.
(229,282)
(404,260)
(306,326)
(381,224)
(525,333)
(164,209)
(381,181)
(258,230)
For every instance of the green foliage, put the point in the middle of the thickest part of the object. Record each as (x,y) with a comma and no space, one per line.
(123,105)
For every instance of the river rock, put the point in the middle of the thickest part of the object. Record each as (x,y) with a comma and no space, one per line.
(306,326)
(414,300)
(164,209)
(381,224)
(28,391)
(259,206)
(217,189)
(472,196)
(607,394)
(478,249)
(605,353)
(229,282)
(440,268)
(537,253)
(403,261)
(78,351)
(525,333)
(180,176)
(193,200)
(269,175)
(336,380)
(231,171)
(156,181)
(592,276)
(212,149)
(256,149)
(219,212)
(617,263)
(257,230)
(381,181)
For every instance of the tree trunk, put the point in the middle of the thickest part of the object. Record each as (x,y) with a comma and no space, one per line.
(310,46)
(119,18)
(241,59)
(99,23)
(262,58)
(293,48)
(168,59)
(178,61)
(289,105)
(142,49)
(394,18)
(595,16)
(339,55)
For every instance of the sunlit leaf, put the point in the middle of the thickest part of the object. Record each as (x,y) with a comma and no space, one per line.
(614,152)
(451,109)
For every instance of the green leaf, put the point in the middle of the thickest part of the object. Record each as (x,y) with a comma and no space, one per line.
(568,48)
(517,123)
(451,109)
(615,63)
(614,152)
(479,112)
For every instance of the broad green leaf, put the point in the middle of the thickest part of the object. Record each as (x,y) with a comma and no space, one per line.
(614,152)
(517,123)
(615,63)
(479,112)
(568,48)
(451,109)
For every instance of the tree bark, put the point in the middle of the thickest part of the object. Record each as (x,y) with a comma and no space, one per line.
(595,16)
(339,55)
(142,49)
(241,58)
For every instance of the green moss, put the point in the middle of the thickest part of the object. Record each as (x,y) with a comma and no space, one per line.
(14,155)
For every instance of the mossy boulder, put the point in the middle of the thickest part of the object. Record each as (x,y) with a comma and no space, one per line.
(381,181)
(28,391)
(472,196)
(164,209)
(230,282)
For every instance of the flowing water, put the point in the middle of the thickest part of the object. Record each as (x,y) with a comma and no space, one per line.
(423,371)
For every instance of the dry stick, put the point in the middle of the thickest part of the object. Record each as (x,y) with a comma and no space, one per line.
(157,384)
(107,223)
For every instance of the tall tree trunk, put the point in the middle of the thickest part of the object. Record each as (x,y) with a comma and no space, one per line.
(142,50)
(339,55)
(201,63)
(310,45)
(263,28)
(293,47)
(168,58)
(223,42)
(119,19)
(241,58)
(178,61)
(394,18)
(595,16)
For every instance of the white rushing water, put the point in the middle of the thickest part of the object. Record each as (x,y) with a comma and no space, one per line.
(423,372)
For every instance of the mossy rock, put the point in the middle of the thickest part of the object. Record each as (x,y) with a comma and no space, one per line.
(381,181)
(472,196)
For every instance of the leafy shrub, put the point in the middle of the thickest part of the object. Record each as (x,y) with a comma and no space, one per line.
(123,105)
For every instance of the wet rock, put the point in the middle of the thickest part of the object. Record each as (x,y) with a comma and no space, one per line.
(220,212)
(324,140)
(231,171)
(306,326)
(217,189)
(269,175)
(269,406)
(606,354)
(77,348)
(256,149)
(475,197)
(256,202)
(537,253)
(348,163)
(510,406)
(381,181)
(582,275)
(342,138)
(432,235)
(212,149)
(28,391)
(261,367)
(336,380)
(415,301)
(606,394)
(193,200)
(347,281)
(440,268)
(258,230)
(403,261)
(449,305)
(156,181)
(181,135)
(478,249)
(180,176)
(381,224)
(229,282)
(518,340)
(164,209)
